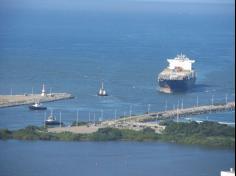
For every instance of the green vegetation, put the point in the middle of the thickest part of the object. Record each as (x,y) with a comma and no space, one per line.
(206,133)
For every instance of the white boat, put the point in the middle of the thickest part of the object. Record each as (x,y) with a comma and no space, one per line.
(52,120)
(37,106)
(231,172)
(102,91)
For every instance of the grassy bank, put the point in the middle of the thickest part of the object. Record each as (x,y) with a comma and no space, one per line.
(207,133)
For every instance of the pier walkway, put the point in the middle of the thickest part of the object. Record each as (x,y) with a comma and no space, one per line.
(16,100)
(140,122)
(181,112)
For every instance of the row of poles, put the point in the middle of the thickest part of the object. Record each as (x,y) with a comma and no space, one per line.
(180,105)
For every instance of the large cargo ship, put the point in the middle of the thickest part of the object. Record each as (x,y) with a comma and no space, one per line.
(179,76)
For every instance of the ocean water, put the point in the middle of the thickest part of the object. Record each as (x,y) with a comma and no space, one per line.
(73,46)
(74,50)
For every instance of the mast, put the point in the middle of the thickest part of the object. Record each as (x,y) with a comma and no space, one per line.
(102,86)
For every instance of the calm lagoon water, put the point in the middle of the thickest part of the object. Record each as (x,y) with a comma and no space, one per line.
(73,47)
(110,158)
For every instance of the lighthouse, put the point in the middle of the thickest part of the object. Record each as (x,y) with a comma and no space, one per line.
(43,91)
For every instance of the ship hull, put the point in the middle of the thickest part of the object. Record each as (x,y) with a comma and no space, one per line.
(53,123)
(37,108)
(170,86)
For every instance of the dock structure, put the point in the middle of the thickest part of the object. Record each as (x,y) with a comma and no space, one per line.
(17,100)
(139,122)
(176,113)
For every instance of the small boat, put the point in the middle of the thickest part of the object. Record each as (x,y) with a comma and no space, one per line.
(37,106)
(102,91)
(52,121)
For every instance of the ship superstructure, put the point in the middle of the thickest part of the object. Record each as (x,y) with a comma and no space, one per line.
(178,76)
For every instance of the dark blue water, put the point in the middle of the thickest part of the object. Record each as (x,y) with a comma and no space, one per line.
(72,47)
(73,50)
(110,158)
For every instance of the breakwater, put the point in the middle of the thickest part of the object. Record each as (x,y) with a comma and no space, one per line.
(16,100)
(181,112)
(139,122)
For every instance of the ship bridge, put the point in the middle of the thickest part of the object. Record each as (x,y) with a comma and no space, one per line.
(180,61)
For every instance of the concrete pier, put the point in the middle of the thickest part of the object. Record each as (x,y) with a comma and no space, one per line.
(140,122)
(175,113)
(16,100)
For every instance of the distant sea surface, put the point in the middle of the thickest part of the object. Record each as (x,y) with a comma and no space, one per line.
(75,50)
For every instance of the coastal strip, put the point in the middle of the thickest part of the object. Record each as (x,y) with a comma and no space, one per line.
(211,134)
(17,100)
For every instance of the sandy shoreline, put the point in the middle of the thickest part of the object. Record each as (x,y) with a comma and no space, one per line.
(75,129)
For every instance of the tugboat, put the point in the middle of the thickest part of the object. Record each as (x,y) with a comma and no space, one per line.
(52,120)
(37,106)
(102,91)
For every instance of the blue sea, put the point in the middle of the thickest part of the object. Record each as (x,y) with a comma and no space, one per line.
(74,46)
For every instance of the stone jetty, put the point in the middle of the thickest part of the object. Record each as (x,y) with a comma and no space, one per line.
(16,100)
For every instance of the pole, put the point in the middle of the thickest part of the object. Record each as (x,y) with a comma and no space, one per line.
(166,105)
(130,111)
(226,99)
(94,117)
(44,119)
(197,101)
(77,118)
(156,118)
(177,115)
(115,113)
(149,108)
(89,117)
(60,119)
(182,104)
(101,115)
(212,100)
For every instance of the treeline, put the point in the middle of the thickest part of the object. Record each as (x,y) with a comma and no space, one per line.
(103,134)
(206,133)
